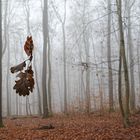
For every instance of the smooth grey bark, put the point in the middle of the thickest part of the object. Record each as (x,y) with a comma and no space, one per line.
(81,80)
(102,95)
(5,27)
(49,67)
(44,69)
(38,90)
(27,112)
(120,85)
(138,57)
(6,46)
(1,122)
(131,59)
(28,108)
(64,58)
(17,108)
(124,62)
(8,78)
(87,92)
(65,71)
(86,47)
(110,77)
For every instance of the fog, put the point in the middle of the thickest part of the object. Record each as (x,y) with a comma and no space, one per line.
(81,60)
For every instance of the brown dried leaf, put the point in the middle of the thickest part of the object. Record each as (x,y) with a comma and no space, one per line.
(18,67)
(29,70)
(21,74)
(25,84)
(28,47)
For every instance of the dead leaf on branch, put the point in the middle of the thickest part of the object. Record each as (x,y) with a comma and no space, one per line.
(19,67)
(28,47)
(25,84)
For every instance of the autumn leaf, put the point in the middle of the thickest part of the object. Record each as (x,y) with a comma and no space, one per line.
(28,47)
(25,83)
(29,70)
(18,67)
(21,87)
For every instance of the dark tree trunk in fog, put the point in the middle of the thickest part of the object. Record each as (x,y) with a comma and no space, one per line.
(131,59)
(49,66)
(110,77)
(123,61)
(65,79)
(1,123)
(138,58)
(49,76)
(44,69)
(64,57)
(87,68)
(81,81)
(87,92)
(6,46)
(120,85)
(8,78)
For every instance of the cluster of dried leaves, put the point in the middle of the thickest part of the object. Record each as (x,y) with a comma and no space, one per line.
(78,127)
(25,83)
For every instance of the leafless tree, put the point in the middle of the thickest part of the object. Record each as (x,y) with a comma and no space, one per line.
(44,69)
(110,77)
(131,57)
(1,122)
(122,60)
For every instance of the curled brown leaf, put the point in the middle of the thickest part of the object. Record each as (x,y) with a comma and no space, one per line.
(19,67)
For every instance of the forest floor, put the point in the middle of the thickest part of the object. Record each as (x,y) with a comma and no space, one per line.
(77,127)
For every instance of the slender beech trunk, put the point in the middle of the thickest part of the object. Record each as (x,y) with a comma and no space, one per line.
(1,122)
(44,69)
(8,77)
(38,91)
(124,62)
(110,77)
(64,57)
(49,69)
(138,59)
(131,58)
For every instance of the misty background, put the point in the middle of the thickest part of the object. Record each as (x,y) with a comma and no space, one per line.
(82,54)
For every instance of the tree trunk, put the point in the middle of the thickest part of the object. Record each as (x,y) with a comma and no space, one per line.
(8,78)
(131,57)
(110,77)
(138,59)
(64,57)
(38,91)
(123,56)
(88,102)
(49,69)
(44,69)
(1,122)
(65,78)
